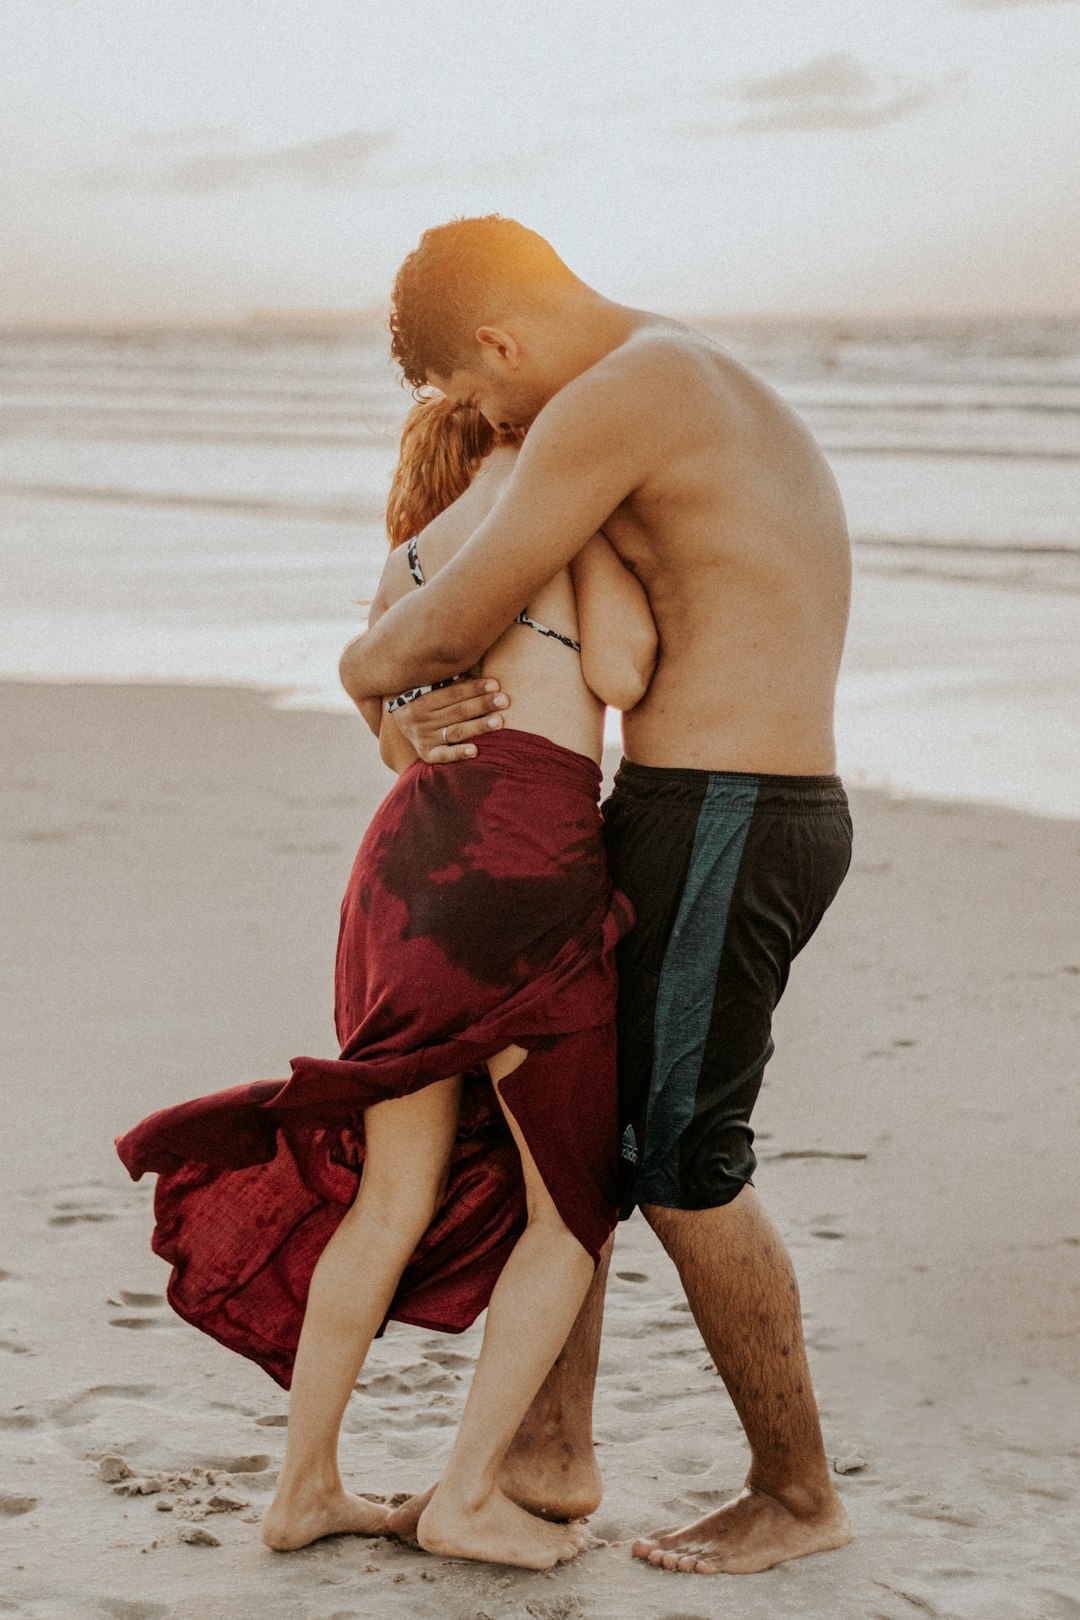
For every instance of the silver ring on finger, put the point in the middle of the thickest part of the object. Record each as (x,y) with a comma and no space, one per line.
(445,738)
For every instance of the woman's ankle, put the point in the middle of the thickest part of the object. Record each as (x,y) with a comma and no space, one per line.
(309,1478)
(466,1492)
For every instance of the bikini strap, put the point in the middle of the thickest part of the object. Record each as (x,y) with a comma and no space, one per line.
(523,618)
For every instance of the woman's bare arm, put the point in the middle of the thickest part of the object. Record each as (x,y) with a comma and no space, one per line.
(615,626)
(394,749)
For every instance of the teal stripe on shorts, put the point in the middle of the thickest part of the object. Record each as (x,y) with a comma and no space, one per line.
(688,978)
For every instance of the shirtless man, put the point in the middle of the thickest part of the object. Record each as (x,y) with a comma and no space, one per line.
(726,827)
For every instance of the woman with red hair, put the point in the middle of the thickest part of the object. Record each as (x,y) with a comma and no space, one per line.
(462,1151)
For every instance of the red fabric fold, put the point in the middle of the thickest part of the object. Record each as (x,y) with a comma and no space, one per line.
(478,914)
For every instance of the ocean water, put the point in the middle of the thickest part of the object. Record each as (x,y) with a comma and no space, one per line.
(208,507)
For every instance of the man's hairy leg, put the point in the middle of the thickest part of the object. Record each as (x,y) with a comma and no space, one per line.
(742,1290)
(551,1466)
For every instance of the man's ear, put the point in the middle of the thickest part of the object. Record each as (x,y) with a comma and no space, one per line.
(501,344)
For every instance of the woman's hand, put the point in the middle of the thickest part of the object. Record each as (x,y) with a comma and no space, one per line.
(440,724)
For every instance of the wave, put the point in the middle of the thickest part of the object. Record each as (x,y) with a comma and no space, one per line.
(1045,570)
(1007,548)
(295,440)
(962,452)
(901,404)
(95,389)
(332,512)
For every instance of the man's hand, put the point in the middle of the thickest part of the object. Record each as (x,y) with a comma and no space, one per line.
(439,724)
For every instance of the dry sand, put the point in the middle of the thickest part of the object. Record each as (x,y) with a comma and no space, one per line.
(173,860)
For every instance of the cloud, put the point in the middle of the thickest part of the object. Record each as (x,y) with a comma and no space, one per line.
(821,113)
(831,92)
(838,77)
(192,135)
(336,160)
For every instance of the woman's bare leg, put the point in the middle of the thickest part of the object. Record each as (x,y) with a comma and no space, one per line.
(408,1144)
(550,1467)
(533,1308)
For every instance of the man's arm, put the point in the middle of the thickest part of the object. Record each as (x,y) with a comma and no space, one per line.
(588,449)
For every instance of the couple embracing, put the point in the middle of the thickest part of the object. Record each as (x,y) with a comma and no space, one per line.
(550,1014)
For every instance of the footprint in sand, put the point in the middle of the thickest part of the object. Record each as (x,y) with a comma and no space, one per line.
(13,1347)
(84,1408)
(677,1322)
(686,1352)
(76,1217)
(45,835)
(13,1507)
(631,1276)
(92,1203)
(920,1604)
(679,1463)
(450,1360)
(126,1609)
(641,1403)
(273,1420)
(255,1462)
(139,1301)
(946,1513)
(422,1375)
(20,1420)
(712,1499)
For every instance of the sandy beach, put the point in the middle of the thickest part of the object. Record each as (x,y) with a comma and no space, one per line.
(172,863)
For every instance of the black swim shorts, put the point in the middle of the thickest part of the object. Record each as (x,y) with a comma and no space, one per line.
(729,873)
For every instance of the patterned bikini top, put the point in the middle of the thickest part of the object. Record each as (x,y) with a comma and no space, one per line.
(523,618)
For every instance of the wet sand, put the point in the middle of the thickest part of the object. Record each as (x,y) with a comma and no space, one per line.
(172,864)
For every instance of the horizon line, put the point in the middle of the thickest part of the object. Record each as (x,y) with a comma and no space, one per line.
(260,320)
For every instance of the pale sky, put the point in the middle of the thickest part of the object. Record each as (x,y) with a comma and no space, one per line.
(193,159)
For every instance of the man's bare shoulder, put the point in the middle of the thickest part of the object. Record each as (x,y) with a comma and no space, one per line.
(647,379)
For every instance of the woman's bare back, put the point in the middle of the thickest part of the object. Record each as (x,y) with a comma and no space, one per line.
(550,693)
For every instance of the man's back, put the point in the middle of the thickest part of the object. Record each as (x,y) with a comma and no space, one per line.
(738,535)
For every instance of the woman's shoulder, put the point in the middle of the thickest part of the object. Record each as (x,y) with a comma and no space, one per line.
(395,579)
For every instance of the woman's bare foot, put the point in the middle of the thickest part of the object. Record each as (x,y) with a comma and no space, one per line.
(748,1534)
(495,1531)
(307,1512)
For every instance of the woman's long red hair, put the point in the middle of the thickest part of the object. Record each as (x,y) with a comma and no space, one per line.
(442,445)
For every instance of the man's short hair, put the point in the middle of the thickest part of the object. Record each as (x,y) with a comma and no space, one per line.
(461,275)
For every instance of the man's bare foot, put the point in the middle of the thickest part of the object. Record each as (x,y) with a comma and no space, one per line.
(403,1520)
(546,1478)
(748,1534)
(495,1531)
(306,1513)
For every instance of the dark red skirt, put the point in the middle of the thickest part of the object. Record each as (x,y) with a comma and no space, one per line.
(479,913)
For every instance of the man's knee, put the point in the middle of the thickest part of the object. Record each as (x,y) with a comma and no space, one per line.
(680,1229)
